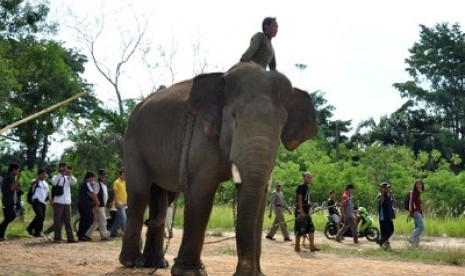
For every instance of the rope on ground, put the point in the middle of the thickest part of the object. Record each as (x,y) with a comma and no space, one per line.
(220,240)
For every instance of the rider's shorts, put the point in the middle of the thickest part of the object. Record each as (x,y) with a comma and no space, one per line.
(335,218)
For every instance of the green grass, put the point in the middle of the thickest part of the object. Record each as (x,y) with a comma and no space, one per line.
(221,219)
(422,254)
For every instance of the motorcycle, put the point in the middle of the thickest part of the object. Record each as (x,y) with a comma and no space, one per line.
(366,228)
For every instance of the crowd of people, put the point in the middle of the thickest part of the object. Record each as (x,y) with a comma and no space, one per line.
(344,214)
(92,204)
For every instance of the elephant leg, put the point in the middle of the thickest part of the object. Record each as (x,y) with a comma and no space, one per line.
(158,206)
(138,199)
(198,206)
(154,255)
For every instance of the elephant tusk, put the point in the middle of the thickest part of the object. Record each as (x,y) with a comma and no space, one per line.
(236,175)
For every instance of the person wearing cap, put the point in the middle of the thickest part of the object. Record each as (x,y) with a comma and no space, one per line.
(39,199)
(100,218)
(87,202)
(278,204)
(303,221)
(386,215)
(348,215)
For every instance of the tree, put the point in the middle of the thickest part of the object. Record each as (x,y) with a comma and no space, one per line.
(437,66)
(98,140)
(112,69)
(40,73)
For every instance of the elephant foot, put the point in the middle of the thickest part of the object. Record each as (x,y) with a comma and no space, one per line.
(128,260)
(247,272)
(183,268)
(160,263)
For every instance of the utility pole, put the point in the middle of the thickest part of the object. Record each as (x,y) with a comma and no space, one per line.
(337,140)
(301,67)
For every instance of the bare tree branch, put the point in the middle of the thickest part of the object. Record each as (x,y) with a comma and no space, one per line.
(129,45)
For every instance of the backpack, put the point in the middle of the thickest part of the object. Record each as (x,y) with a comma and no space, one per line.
(407,201)
(32,191)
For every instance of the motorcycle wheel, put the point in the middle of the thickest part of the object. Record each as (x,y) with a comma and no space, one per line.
(330,231)
(372,234)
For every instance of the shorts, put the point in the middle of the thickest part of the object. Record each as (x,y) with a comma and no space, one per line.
(335,218)
(304,226)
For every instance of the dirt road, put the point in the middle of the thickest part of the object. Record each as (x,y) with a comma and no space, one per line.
(37,256)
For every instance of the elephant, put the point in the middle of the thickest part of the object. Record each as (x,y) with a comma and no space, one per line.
(196,134)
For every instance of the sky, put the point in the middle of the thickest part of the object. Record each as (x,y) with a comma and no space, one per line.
(353,50)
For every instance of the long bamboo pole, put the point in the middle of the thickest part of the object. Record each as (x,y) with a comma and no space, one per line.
(43,111)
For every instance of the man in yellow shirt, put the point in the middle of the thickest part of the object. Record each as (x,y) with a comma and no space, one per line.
(120,203)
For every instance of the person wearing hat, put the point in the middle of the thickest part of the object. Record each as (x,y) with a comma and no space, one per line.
(87,202)
(303,221)
(386,215)
(100,218)
(278,204)
(348,215)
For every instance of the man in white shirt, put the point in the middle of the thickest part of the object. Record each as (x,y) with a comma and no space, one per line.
(39,200)
(62,202)
(100,218)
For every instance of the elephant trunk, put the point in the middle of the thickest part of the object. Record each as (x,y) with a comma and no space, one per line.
(255,164)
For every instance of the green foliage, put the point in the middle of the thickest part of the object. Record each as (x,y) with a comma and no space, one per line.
(35,74)
(98,140)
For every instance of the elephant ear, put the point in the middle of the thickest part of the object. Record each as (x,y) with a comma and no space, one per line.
(206,99)
(301,122)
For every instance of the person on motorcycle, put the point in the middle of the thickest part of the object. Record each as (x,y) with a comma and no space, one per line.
(332,209)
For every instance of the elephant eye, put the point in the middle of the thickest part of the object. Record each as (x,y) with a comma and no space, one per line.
(235,119)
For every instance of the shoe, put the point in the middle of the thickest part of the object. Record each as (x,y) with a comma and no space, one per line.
(47,236)
(30,231)
(73,241)
(297,249)
(106,239)
(270,238)
(84,238)
(287,240)
(38,236)
(115,235)
(338,240)
(411,242)
(315,249)
(57,240)
(3,239)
